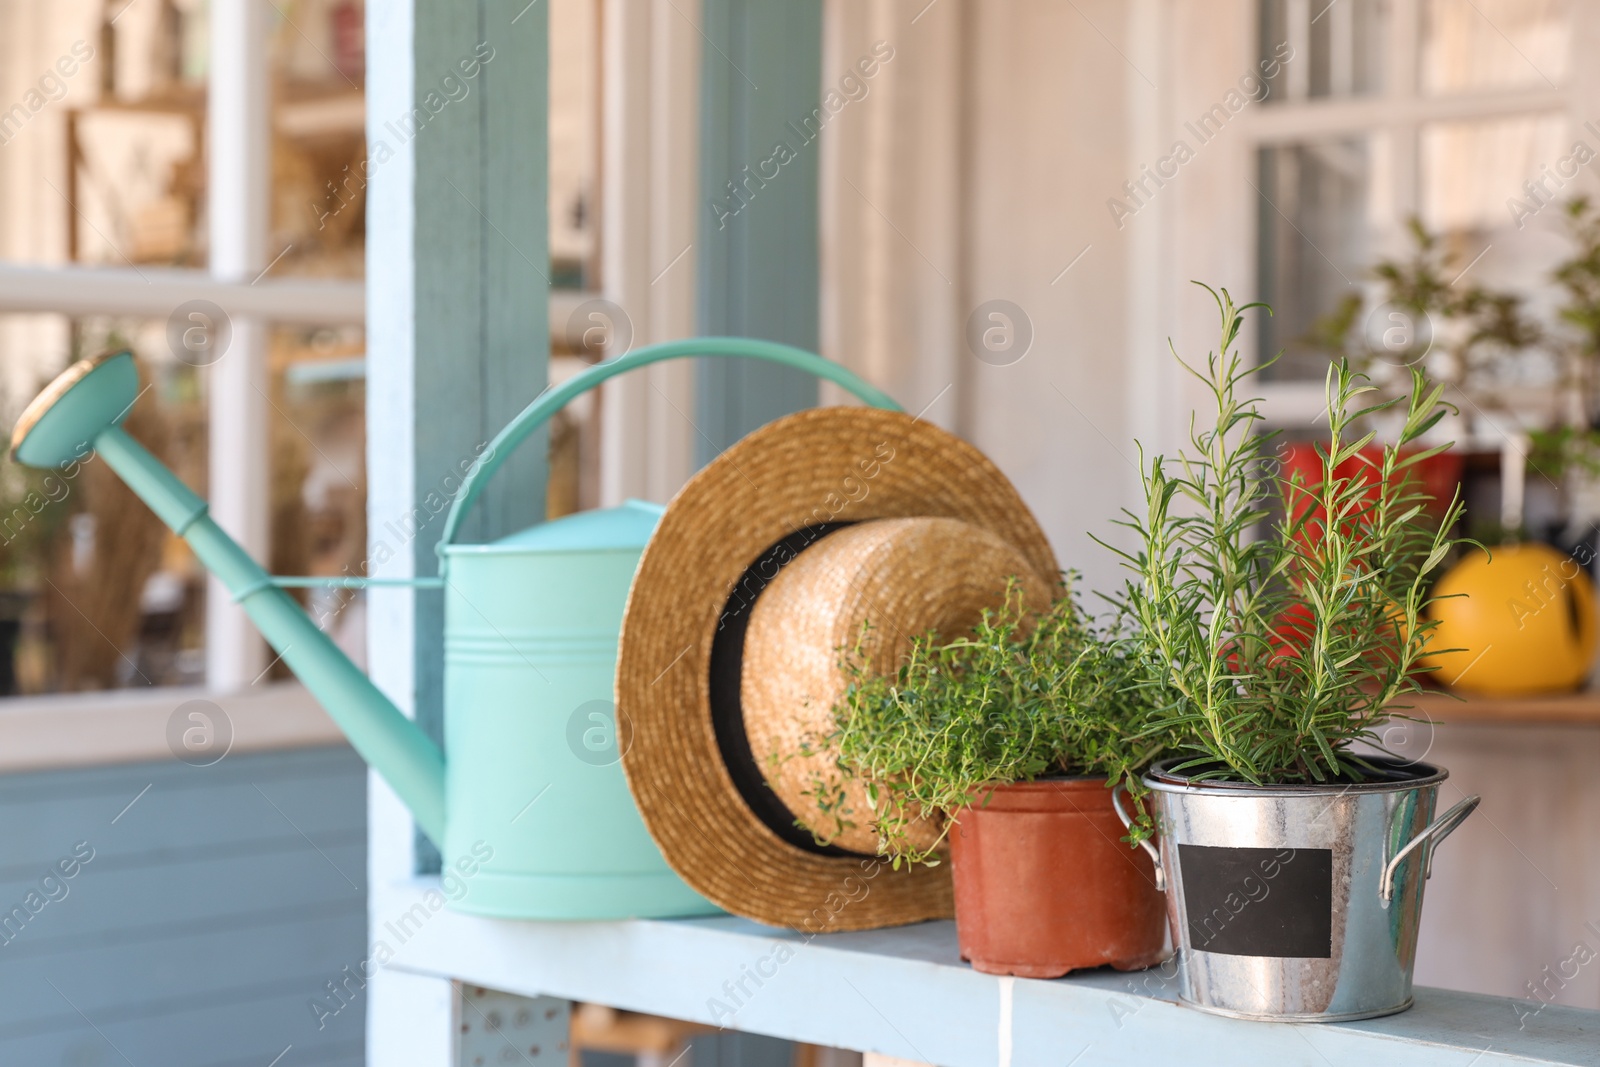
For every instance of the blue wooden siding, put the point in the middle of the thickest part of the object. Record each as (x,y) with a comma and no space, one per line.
(740,1050)
(474,339)
(213,911)
(761,78)
(729,1049)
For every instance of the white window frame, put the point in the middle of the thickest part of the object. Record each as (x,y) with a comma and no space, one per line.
(1400,109)
(649,201)
(238,184)
(1182,56)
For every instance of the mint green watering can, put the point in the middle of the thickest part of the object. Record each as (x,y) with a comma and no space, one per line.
(532,800)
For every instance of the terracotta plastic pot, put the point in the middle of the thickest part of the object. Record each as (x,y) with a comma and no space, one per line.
(1044,883)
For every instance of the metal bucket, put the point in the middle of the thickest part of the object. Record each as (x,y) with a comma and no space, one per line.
(1298,903)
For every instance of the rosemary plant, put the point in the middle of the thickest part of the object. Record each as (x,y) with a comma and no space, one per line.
(1270,655)
(1022,696)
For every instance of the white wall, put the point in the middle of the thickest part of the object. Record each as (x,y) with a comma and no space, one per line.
(649,199)
(975,169)
(1050,131)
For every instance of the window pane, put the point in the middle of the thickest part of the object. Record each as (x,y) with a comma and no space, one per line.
(1314,247)
(1473,172)
(1496,233)
(104,129)
(1494,44)
(95,593)
(1322,48)
(319,472)
(574,142)
(317,67)
(83,166)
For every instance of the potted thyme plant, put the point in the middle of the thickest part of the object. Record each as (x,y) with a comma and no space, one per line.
(1013,734)
(1295,850)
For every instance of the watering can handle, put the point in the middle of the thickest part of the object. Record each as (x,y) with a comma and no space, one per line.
(554,399)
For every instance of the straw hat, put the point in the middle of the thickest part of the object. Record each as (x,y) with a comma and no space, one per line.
(761,569)
(902,577)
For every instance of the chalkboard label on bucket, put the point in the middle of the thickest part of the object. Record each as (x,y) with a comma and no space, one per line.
(1274,902)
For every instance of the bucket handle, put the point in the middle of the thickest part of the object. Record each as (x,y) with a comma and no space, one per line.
(1436,832)
(554,399)
(1127,822)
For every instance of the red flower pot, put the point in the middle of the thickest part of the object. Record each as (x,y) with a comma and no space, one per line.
(1437,476)
(1044,883)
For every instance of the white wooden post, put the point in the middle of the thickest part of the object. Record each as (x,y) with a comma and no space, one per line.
(407,1015)
(239,170)
(457,343)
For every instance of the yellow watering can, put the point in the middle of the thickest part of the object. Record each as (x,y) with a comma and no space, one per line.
(1523,619)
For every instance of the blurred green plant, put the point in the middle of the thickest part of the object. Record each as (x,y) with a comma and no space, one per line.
(1479,335)
(1572,441)
(1579,276)
(33,513)
(1476,330)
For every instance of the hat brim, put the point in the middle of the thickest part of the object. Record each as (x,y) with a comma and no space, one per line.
(809,471)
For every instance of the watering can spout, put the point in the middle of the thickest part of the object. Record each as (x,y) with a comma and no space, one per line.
(82,410)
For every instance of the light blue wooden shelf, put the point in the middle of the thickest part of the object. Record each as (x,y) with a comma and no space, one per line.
(904,992)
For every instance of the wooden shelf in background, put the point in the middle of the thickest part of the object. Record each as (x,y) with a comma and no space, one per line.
(1568,709)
